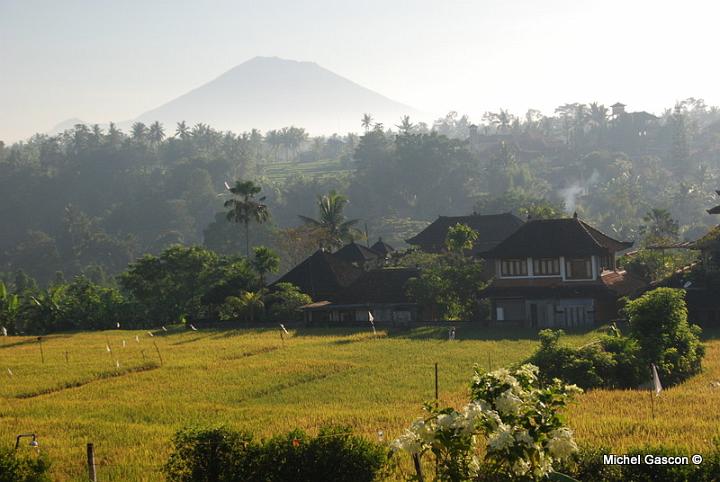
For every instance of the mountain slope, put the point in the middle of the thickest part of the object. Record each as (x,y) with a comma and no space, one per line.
(268,93)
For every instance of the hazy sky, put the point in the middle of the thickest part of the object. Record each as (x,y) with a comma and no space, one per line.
(104,60)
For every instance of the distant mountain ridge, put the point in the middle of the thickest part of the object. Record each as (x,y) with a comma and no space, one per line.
(269,93)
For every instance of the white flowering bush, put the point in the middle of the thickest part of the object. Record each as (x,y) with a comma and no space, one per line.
(518,420)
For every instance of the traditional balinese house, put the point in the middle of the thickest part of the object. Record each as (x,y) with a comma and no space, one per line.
(557,273)
(381,292)
(491,228)
(701,279)
(322,276)
(360,256)
(382,248)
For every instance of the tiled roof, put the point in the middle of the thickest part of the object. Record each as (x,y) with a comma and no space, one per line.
(382,247)
(356,253)
(556,237)
(385,285)
(321,276)
(623,283)
(491,228)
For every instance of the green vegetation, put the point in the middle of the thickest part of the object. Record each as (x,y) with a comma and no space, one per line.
(118,196)
(659,334)
(449,283)
(332,229)
(515,420)
(15,467)
(250,381)
(219,455)
(658,321)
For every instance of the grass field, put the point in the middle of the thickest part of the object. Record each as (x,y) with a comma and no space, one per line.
(279,171)
(250,379)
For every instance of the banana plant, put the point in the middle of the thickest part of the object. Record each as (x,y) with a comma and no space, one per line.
(9,307)
(41,310)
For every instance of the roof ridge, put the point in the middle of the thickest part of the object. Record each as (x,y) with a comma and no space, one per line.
(590,228)
(585,228)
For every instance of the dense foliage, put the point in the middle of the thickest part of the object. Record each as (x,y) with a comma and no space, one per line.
(611,362)
(15,467)
(587,464)
(659,334)
(448,286)
(658,321)
(117,196)
(181,284)
(223,455)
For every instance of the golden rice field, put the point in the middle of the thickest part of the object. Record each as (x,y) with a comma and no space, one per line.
(129,405)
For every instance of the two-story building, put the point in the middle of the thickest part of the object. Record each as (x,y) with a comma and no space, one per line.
(557,273)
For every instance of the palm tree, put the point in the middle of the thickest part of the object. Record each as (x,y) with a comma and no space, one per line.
(332,223)
(265,261)
(598,114)
(245,208)
(660,226)
(139,132)
(182,131)
(246,303)
(366,121)
(405,125)
(249,301)
(114,135)
(156,134)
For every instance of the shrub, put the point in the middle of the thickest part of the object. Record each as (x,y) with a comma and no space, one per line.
(283,302)
(610,362)
(18,468)
(220,454)
(658,321)
(211,455)
(525,436)
(659,334)
(587,464)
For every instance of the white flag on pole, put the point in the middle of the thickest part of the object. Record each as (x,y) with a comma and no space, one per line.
(372,322)
(657,387)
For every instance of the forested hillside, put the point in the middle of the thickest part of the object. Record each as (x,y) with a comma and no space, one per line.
(91,200)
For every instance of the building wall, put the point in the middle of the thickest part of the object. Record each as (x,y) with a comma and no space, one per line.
(544,313)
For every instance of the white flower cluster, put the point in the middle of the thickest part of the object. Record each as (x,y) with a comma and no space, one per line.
(505,404)
(561,444)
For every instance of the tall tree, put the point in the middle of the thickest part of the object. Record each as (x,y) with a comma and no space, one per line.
(332,222)
(139,132)
(245,208)
(460,238)
(366,121)
(265,261)
(659,226)
(182,131)
(156,133)
(405,126)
